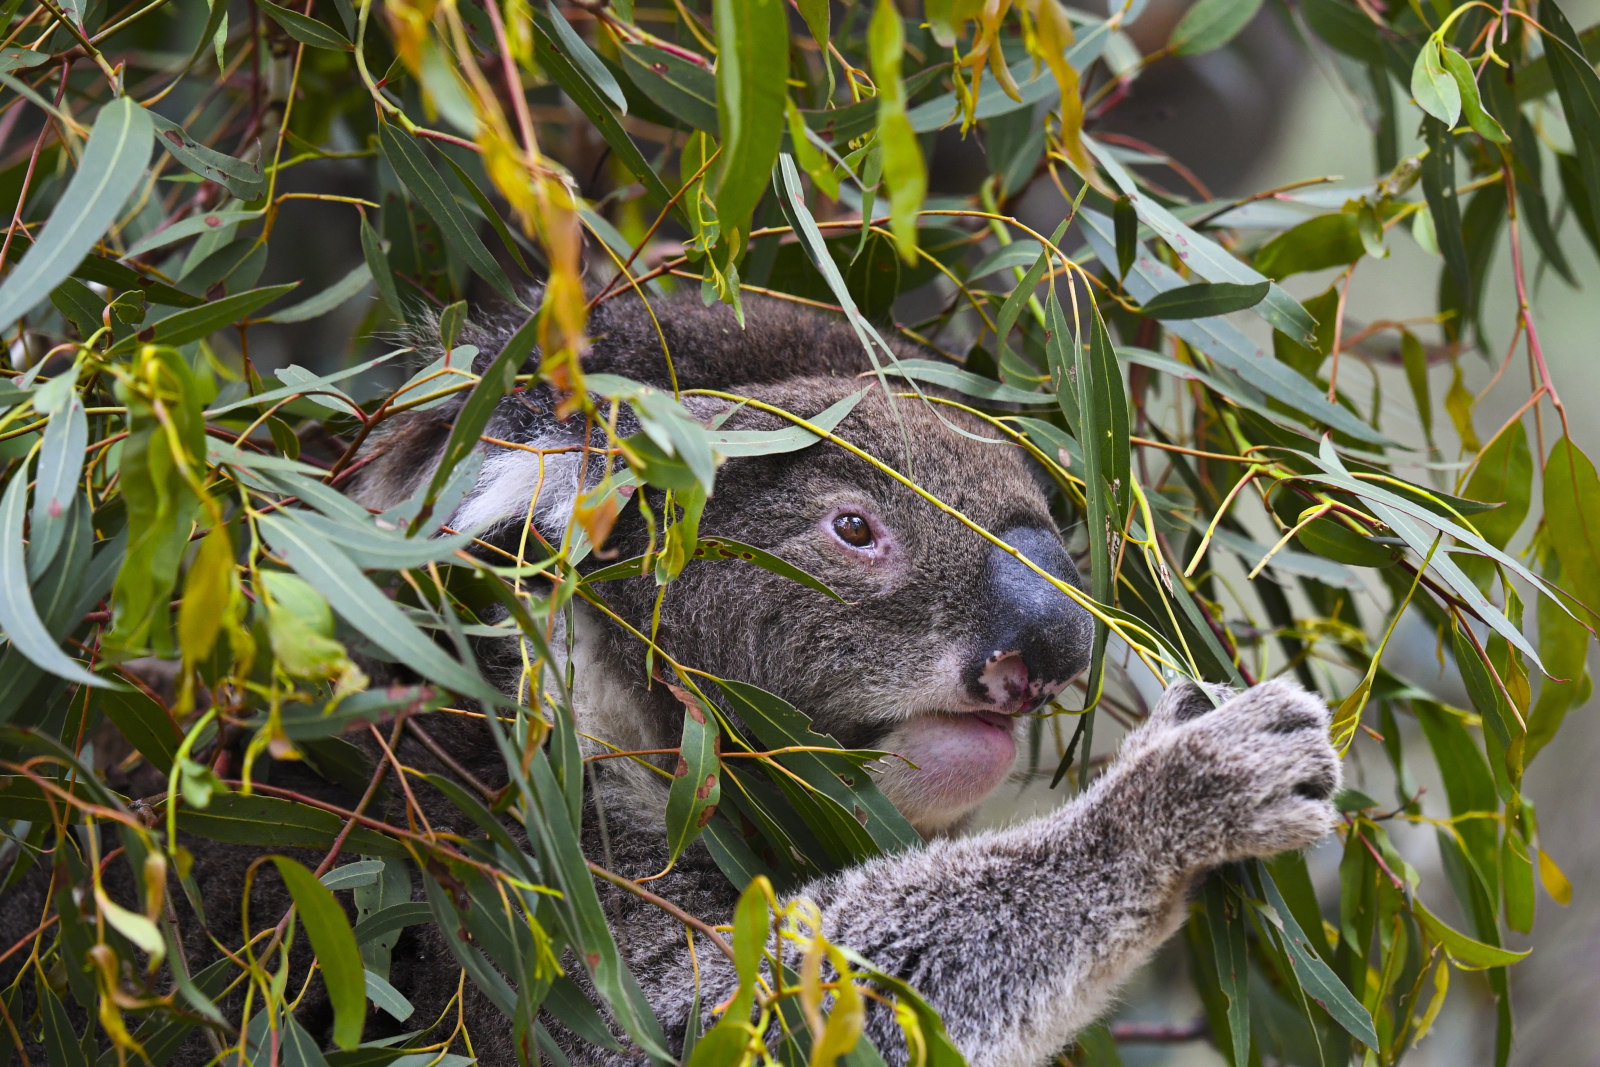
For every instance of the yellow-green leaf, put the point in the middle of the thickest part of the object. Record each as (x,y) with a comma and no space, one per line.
(904,171)
(1468,954)
(753,36)
(1554,879)
(335,946)
(206,592)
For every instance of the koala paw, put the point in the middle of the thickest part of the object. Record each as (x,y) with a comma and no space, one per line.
(1252,776)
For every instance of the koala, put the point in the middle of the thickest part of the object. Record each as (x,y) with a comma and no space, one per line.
(941,645)
(1019,936)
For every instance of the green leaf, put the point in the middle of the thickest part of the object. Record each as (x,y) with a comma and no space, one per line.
(1563,646)
(240,820)
(778,724)
(754,39)
(303,379)
(388,920)
(817,15)
(56,477)
(1503,475)
(1439,187)
(1204,300)
(19,617)
(206,222)
(378,268)
(352,875)
(1471,103)
(1225,343)
(1534,79)
(411,164)
(1433,86)
(372,548)
(680,88)
(1126,220)
(144,723)
(335,295)
(298,1047)
(573,48)
(195,323)
(1316,244)
(58,1033)
(752,925)
(1023,253)
(1415,359)
(1467,953)
(1210,24)
(120,277)
(1018,298)
(306,29)
(1578,86)
(903,168)
(1316,978)
(387,997)
(815,162)
(994,101)
(1469,785)
(1205,257)
(1418,526)
(335,945)
(1516,876)
(81,305)
(113,164)
(242,179)
(1572,520)
(692,800)
(373,615)
(490,213)
(1231,951)
(951,377)
(15,57)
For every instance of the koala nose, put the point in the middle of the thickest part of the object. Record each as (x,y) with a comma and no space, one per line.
(1034,637)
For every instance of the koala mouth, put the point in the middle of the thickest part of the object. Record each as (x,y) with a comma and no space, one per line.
(999,720)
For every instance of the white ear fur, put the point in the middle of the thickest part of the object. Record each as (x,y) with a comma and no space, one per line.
(510,479)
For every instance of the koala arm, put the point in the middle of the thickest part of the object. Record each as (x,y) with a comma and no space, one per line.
(1019,937)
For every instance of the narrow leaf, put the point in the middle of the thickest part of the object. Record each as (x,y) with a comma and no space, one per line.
(335,945)
(412,167)
(19,618)
(754,36)
(306,29)
(335,295)
(1210,24)
(113,163)
(243,180)
(1204,300)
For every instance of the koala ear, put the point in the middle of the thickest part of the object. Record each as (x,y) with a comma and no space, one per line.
(1185,700)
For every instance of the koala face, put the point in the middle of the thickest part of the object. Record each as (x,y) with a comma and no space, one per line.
(943,639)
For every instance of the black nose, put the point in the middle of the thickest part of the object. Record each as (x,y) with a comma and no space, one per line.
(1034,638)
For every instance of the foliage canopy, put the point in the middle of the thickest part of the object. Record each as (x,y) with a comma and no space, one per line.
(164,500)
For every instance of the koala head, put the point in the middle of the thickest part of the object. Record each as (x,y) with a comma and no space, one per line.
(942,639)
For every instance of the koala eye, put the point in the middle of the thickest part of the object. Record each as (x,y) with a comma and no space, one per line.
(853,530)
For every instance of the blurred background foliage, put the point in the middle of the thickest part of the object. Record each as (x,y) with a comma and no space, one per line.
(1282,297)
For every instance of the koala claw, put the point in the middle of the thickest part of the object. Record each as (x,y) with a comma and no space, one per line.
(1251,777)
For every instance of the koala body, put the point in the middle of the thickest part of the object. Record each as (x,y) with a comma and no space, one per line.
(1018,936)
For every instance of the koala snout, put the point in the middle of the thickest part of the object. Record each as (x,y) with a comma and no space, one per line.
(1034,638)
